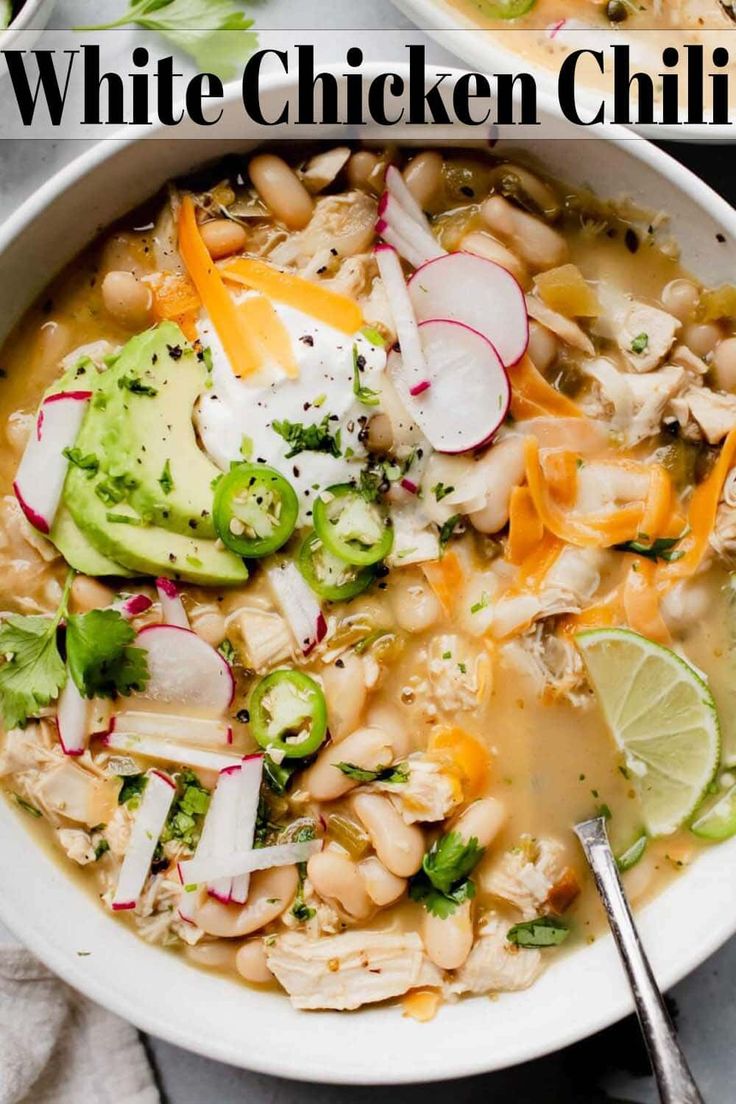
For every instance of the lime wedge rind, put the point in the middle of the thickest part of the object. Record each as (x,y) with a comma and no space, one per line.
(662,717)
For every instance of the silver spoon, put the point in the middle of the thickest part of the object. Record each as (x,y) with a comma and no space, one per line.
(674,1079)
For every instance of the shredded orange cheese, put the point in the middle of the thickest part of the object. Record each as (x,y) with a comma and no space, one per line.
(445,576)
(269,333)
(641,601)
(327,306)
(525,526)
(421,1004)
(216,299)
(560,468)
(658,504)
(469,756)
(533,397)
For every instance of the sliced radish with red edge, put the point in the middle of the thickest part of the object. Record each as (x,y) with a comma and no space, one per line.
(39,481)
(72,718)
(172,607)
(133,605)
(200,731)
(246,861)
(251,774)
(298,604)
(169,751)
(402,312)
(185,672)
(149,821)
(477,292)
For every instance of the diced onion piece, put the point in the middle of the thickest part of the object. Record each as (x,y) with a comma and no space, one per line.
(149,821)
(200,731)
(193,871)
(169,751)
(172,607)
(72,718)
(298,604)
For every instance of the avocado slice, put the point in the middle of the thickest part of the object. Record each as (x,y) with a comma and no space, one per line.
(77,550)
(142,412)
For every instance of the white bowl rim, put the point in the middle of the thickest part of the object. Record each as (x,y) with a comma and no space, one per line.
(486,53)
(615,1001)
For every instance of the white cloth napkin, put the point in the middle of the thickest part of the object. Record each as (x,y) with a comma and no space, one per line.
(56,1047)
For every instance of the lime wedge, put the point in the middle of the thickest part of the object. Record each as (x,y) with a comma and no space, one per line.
(662,716)
(718,820)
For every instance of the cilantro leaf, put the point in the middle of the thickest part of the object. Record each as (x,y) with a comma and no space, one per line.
(443,883)
(88,462)
(398,773)
(166,481)
(136,386)
(184,822)
(311,438)
(131,789)
(33,673)
(440,491)
(447,532)
(215,33)
(100,658)
(543,931)
(366,395)
(640,343)
(663,548)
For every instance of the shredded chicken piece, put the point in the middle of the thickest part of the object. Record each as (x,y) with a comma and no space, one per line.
(431,792)
(346,971)
(526,875)
(646,335)
(118,829)
(77,845)
(713,412)
(494,965)
(340,223)
(458,676)
(266,636)
(553,662)
(653,394)
(570,584)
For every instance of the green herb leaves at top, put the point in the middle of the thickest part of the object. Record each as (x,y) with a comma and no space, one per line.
(543,931)
(449,530)
(215,33)
(131,790)
(311,438)
(165,480)
(397,773)
(366,395)
(33,673)
(663,548)
(443,883)
(184,822)
(101,660)
(640,344)
(87,462)
(441,491)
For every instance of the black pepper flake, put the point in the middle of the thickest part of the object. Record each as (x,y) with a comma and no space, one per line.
(295,470)
(243,716)
(631,240)
(340,663)
(333,251)
(172,557)
(466,190)
(322,269)
(154,358)
(720,238)
(307,339)
(192,523)
(360,362)
(175,351)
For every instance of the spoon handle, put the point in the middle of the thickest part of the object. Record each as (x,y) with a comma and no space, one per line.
(674,1079)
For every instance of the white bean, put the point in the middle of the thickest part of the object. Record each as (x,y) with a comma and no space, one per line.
(271,893)
(361,167)
(281,190)
(223,237)
(702,337)
(345,691)
(504,467)
(483,820)
(381,885)
(380,433)
(448,942)
(537,244)
(216,955)
(413,602)
(680,297)
(483,245)
(389,718)
(543,346)
(399,846)
(423,176)
(335,877)
(88,594)
(368,748)
(251,964)
(127,300)
(52,343)
(724,365)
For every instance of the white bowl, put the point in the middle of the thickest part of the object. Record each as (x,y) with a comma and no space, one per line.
(33,16)
(581,992)
(490,51)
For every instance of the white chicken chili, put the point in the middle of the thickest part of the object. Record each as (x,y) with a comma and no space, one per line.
(367,522)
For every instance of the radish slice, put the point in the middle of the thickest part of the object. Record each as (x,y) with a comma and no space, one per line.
(470,392)
(402,312)
(201,731)
(100,716)
(397,187)
(251,774)
(133,605)
(172,607)
(298,604)
(479,293)
(72,718)
(218,832)
(189,899)
(415,257)
(39,480)
(169,751)
(149,821)
(193,871)
(417,236)
(185,672)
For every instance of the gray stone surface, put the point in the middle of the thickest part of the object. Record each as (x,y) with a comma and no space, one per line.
(610,1067)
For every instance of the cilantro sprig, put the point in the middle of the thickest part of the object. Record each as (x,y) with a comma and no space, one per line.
(397,773)
(196,27)
(365,395)
(663,548)
(309,438)
(443,883)
(101,660)
(543,931)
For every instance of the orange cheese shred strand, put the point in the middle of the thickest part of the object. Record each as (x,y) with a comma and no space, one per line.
(469,756)
(657,506)
(641,601)
(535,567)
(269,333)
(174,295)
(701,517)
(532,396)
(561,474)
(603,615)
(445,577)
(590,531)
(525,526)
(326,306)
(216,299)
